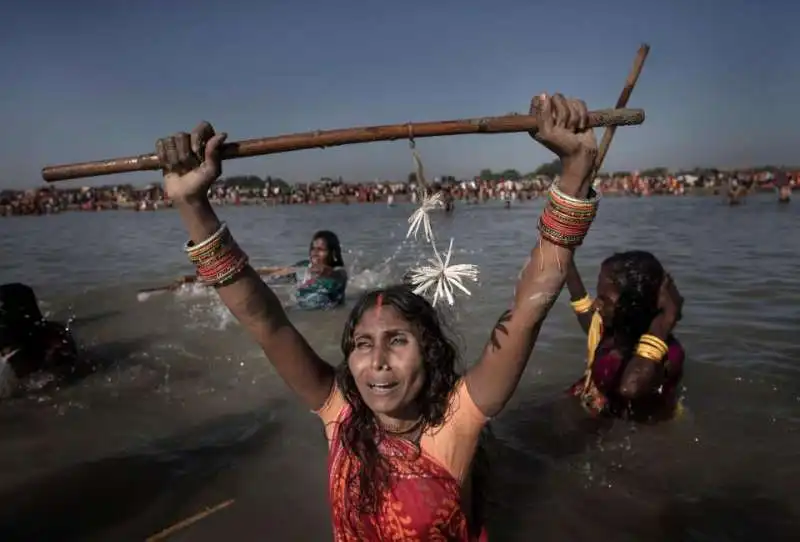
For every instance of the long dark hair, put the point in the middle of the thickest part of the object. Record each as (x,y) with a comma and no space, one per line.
(360,434)
(637,275)
(334,248)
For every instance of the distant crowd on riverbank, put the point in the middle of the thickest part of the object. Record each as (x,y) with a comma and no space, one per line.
(255,191)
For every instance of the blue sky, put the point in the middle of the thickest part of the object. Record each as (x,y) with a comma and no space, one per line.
(91,79)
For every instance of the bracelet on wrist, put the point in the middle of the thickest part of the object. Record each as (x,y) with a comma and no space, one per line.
(582,305)
(218,259)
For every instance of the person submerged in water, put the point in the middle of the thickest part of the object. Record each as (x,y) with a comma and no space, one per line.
(402,422)
(736,193)
(634,362)
(28,342)
(322,278)
(784,193)
(783,186)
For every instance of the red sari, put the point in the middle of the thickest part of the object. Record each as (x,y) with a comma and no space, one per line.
(423,503)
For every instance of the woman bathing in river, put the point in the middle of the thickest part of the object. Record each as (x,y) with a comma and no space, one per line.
(634,363)
(322,279)
(402,422)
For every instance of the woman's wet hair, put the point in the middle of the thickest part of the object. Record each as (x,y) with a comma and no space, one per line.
(637,276)
(441,361)
(334,258)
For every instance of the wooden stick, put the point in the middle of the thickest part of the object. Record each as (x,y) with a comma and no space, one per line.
(622,101)
(190,279)
(333,138)
(169,531)
(608,135)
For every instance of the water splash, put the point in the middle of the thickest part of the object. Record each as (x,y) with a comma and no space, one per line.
(9,383)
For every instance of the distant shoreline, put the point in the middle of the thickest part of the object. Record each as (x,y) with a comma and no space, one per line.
(406,198)
(398,199)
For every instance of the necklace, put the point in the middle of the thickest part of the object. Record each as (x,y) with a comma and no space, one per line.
(394,429)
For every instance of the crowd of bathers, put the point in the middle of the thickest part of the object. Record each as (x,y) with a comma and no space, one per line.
(248,190)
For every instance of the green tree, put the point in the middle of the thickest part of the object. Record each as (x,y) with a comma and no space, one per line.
(412,177)
(272,182)
(550,169)
(486,174)
(510,175)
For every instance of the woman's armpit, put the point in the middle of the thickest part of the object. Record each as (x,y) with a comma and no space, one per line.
(463,411)
(453,444)
(330,409)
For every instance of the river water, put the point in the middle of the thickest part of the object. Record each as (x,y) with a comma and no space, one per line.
(184,413)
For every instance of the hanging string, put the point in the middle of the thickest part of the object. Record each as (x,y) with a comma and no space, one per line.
(419,171)
(422,184)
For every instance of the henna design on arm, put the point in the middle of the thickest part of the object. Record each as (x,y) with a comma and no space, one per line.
(499,327)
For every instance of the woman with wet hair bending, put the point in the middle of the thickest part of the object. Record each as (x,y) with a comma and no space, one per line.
(634,362)
(402,422)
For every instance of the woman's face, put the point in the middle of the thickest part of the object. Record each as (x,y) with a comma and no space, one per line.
(607,296)
(318,254)
(386,363)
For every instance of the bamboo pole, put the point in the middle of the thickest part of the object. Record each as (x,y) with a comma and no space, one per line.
(622,101)
(191,520)
(608,135)
(347,136)
(191,279)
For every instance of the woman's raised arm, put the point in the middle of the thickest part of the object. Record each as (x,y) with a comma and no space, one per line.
(192,164)
(565,221)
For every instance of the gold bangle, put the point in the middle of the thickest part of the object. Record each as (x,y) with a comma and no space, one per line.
(582,305)
(654,341)
(662,352)
(648,352)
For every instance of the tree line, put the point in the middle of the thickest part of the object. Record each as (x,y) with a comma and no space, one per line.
(551,169)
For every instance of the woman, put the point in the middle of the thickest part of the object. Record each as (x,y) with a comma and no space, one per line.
(402,424)
(322,279)
(784,193)
(736,193)
(782,183)
(634,362)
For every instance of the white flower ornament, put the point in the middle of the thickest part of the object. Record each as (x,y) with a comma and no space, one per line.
(442,278)
(439,277)
(421,218)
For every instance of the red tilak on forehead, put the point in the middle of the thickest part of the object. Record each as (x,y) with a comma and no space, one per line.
(379,304)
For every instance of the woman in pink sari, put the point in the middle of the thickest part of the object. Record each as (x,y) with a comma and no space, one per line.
(402,422)
(634,362)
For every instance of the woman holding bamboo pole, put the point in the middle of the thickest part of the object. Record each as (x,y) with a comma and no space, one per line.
(402,422)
